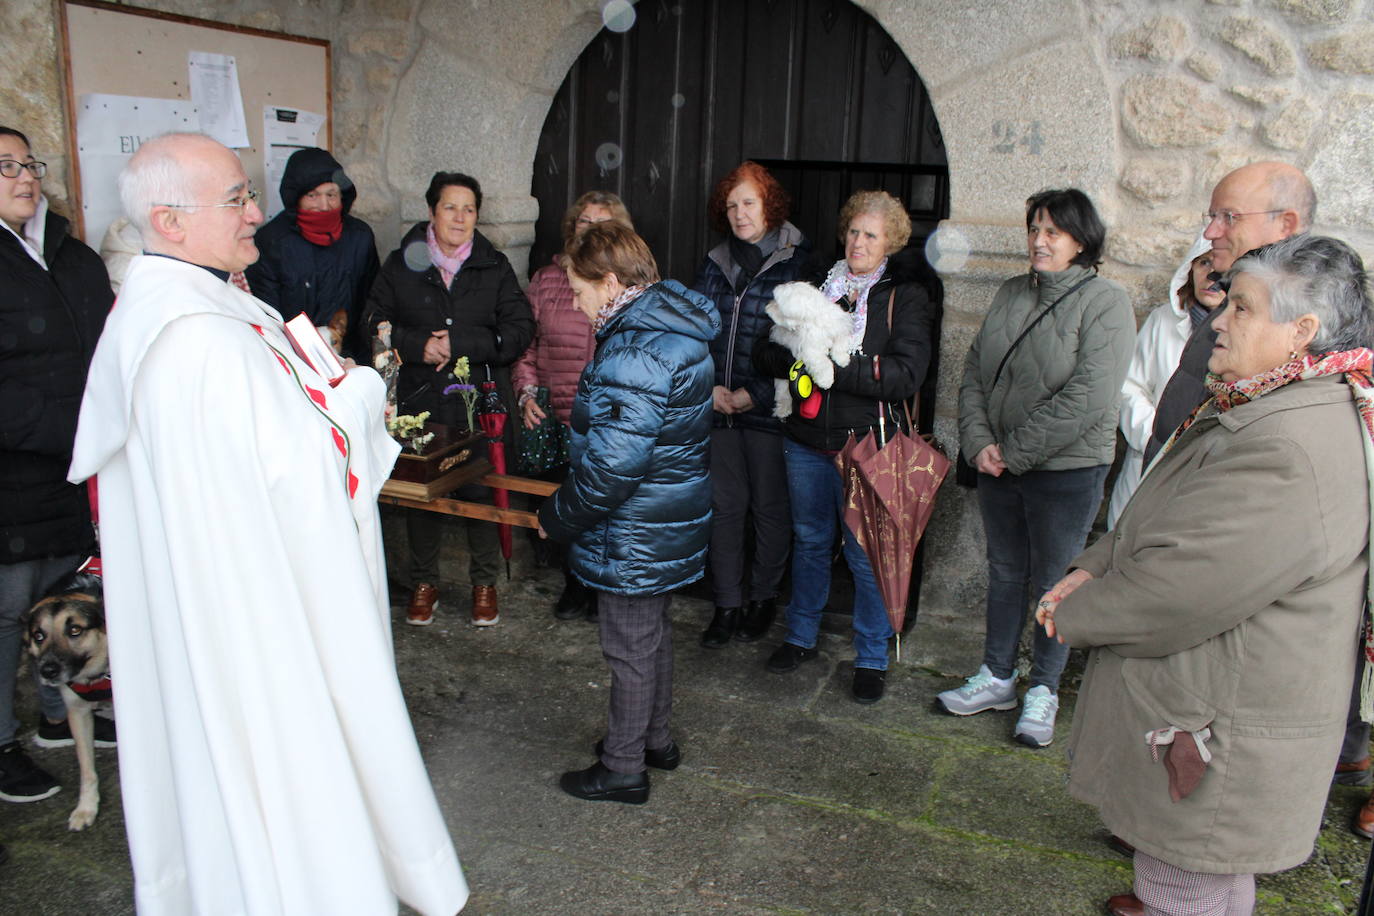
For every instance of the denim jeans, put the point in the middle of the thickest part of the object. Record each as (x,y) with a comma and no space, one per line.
(817,494)
(1035,524)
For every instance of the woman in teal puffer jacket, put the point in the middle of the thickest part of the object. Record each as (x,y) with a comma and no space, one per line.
(636,505)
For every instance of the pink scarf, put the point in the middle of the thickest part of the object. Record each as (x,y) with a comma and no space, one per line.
(448,266)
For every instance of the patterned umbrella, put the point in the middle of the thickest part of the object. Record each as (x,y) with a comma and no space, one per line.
(889,496)
(492,416)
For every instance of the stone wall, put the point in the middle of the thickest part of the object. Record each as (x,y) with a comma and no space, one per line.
(1142,103)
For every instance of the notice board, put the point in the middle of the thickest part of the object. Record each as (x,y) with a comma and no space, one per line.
(133,64)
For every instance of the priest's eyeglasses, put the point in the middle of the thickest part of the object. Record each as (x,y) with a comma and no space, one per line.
(1228,218)
(11,168)
(243,200)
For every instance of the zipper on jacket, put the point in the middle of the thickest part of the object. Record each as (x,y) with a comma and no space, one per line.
(773,259)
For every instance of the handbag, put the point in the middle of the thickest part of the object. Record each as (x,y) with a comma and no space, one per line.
(965,474)
(546,446)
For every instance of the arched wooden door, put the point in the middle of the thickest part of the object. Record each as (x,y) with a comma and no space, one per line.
(815,89)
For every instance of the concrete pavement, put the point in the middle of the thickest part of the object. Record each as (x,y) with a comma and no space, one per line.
(791,797)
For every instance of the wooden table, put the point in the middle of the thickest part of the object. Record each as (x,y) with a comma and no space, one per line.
(427,496)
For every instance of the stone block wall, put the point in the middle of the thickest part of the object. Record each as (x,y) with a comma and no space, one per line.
(1142,103)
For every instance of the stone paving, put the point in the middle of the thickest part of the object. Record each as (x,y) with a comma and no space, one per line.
(791,797)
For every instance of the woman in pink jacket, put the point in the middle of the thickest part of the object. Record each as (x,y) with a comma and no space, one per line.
(563,345)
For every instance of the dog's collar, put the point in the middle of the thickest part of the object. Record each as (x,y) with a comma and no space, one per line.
(95,691)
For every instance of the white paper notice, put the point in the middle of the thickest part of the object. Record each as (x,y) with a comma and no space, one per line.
(284,130)
(109,129)
(215,92)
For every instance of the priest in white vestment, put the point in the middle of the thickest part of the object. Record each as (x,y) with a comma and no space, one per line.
(267,762)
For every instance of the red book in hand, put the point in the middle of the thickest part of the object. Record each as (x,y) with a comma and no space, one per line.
(311,346)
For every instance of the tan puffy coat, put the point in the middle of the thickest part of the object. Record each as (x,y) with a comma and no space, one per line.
(1228,596)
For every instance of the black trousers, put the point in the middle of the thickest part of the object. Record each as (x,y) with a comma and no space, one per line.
(748,475)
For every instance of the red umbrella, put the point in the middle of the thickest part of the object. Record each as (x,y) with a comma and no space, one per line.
(889,497)
(492,416)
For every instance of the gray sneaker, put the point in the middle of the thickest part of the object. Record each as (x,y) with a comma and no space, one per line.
(979,694)
(1035,728)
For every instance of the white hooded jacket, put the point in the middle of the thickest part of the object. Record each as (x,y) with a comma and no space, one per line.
(1158,346)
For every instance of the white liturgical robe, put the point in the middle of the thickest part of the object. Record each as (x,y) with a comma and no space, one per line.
(267,762)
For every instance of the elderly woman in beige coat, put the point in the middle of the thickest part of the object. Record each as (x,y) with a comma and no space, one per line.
(1224,611)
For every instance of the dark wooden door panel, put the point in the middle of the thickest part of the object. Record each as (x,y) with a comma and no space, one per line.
(659,113)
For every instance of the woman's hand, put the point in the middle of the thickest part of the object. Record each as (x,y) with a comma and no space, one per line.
(989,461)
(741,400)
(543,535)
(436,348)
(531,413)
(722,401)
(1044,611)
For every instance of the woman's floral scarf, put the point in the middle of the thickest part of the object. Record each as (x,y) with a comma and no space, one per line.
(610,309)
(842,283)
(1356,366)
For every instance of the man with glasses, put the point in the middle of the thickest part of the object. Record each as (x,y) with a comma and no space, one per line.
(317,257)
(1255,205)
(267,763)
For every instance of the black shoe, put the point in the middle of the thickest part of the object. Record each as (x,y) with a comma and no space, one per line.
(596,783)
(663,758)
(20,779)
(721,628)
(758,618)
(868,685)
(572,604)
(59,734)
(788,657)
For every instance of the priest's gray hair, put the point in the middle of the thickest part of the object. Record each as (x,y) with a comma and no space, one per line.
(156,176)
(1321,275)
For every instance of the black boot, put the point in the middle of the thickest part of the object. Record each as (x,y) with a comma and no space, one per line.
(572,604)
(721,628)
(758,618)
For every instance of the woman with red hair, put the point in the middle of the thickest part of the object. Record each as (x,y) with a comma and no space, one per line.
(761,250)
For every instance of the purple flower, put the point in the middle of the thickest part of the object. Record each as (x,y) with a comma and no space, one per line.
(460,389)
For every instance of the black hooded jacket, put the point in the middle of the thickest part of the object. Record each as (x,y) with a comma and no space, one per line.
(294,275)
(49,323)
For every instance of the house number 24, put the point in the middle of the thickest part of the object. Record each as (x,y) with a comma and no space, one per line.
(1008,135)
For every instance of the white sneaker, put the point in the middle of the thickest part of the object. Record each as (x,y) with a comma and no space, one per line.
(981,693)
(1035,728)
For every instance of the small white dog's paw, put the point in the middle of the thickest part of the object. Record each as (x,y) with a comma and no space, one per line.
(782,399)
(823,374)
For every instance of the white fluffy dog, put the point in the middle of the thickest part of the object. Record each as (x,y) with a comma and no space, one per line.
(815,329)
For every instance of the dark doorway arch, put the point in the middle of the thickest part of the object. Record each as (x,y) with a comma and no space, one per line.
(815,89)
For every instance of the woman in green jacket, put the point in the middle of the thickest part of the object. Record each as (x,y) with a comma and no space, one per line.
(1037,417)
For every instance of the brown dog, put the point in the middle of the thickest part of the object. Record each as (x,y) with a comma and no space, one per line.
(65,635)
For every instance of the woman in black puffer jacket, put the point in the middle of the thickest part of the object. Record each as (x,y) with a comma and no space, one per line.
(54,296)
(894,328)
(747,473)
(449,294)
